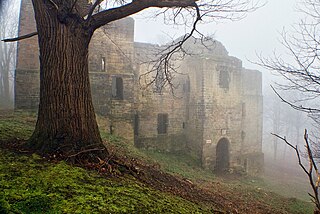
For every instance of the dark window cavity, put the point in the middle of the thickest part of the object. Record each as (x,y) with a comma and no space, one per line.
(224,78)
(162,123)
(136,124)
(117,88)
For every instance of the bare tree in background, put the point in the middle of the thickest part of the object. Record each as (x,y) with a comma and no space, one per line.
(66,121)
(273,111)
(311,170)
(302,69)
(282,119)
(302,72)
(8,28)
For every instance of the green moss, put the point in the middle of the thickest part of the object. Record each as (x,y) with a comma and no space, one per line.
(298,206)
(17,125)
(251,190)
(181,164)
(32,186)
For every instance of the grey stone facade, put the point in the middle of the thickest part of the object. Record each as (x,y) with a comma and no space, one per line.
(215,113)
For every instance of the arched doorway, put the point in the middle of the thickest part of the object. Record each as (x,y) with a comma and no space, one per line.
(222,155)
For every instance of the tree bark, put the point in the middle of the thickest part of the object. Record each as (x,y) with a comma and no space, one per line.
(66,123)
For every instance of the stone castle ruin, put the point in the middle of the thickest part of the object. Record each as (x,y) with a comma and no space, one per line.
(216,112)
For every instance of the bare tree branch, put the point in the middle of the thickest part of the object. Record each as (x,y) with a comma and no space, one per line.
(300,69)
(20,37)
(162,65)
(300,108)
(136,6)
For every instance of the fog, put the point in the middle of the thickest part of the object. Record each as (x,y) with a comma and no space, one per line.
(259,33)
(9,13)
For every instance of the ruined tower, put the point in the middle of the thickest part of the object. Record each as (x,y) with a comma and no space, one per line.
(216,112)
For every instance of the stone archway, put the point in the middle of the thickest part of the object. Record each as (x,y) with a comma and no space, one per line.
(222,155)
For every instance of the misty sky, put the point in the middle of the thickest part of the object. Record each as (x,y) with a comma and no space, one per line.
(258,32)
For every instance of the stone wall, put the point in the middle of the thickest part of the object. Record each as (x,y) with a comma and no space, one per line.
(27,87)
(196,105)
(111,54)
(113,43)
(153,102)
(150,108)
(27,49)
(27,68)
(119,113)
(217,111)
(252,121)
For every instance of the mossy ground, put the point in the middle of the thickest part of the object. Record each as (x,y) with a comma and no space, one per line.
(30,184)
(16,125)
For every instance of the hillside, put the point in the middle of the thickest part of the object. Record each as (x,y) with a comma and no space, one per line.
(131,181)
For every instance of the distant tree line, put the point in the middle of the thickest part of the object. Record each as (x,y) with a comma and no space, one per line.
(8,28)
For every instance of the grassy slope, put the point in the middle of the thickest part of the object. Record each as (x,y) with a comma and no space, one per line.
(32,186)
(247,189)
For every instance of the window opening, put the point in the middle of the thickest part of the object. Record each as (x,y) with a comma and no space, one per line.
(117,88)
(224,78)
(162,123)
(136,125)
(103,64)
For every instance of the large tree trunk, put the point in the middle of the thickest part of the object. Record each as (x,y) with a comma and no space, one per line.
(66,120)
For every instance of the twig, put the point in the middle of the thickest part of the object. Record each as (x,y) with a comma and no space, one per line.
(300,108)
(85,151)
(93,7)
(312,166)
(54,4)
